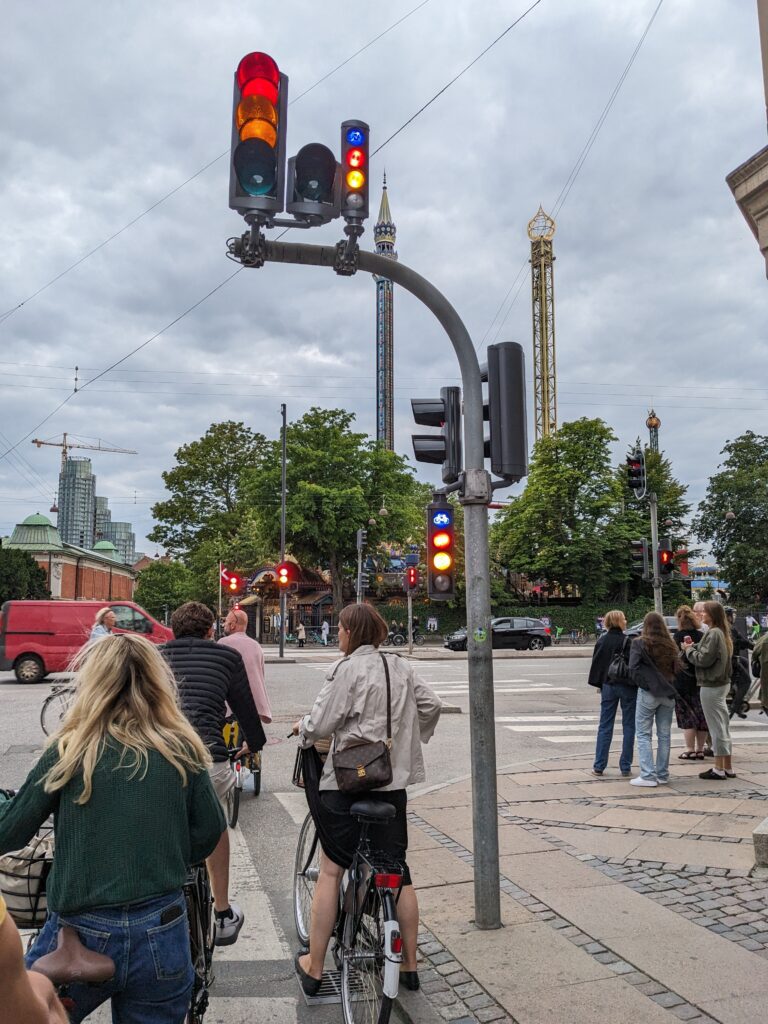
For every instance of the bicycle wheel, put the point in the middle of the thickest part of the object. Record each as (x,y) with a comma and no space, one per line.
(233,799)
(202,933)
(55,706)
(254,763)
(398,639)
(305,872)
(363,999)
(419,640)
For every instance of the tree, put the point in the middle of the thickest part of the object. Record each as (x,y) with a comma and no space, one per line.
(21,578)
(733,517)
(566,527)
(206,499)
(336,482)
(163,586)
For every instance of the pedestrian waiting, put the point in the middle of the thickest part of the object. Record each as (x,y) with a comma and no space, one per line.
(688,709)
(653,664)
(609,673)
(711,657)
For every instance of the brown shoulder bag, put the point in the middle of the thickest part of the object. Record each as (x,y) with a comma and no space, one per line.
(367,765)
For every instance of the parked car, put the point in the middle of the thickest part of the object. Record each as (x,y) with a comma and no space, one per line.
(38,637)
(637,627)
(507,632)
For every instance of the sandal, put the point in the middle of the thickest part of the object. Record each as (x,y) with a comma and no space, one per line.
(699,755)
(708,752)
(687,755)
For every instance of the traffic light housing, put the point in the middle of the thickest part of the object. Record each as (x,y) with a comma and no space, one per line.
(362,537)
(354,182)
(636,472)
(411,578)
(666,558)
(507,445)
(259,127)
(640,562)
(283,574)
(234,583)
(441,552)
(444,448)
(313,185)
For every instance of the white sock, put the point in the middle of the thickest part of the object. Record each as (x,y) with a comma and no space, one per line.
(719,771)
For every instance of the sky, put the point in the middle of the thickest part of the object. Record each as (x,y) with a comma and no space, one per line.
(660,290)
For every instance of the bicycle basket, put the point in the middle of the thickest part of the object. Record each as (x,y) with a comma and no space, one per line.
(23,877)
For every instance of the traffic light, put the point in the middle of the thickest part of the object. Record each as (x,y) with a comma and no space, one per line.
(313,191)
(636,472)
(365,581)
(234,583)
(259,126)
(640,563)
(283,574)
(441,556)
(666,558)
(444,448)
(354,171)
(507,445)
(411,578)
(362,536)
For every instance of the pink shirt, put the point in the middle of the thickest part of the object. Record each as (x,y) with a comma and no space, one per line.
(253,657)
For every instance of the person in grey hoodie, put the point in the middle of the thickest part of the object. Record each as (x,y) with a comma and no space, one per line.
(653,662)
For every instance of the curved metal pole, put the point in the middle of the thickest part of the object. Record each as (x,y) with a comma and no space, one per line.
(477,494)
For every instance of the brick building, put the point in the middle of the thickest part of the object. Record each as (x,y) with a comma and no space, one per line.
(74,573)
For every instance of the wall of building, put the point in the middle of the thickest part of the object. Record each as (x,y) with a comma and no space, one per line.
(89,581)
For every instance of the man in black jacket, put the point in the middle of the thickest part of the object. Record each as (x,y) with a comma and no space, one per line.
(210,676)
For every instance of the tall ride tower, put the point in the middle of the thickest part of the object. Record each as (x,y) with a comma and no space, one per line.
(541,230)
(384,232)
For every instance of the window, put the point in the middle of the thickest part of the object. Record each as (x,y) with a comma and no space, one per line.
(129,619)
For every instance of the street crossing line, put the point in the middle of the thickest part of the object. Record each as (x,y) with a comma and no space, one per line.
(583,728)
(231,1009)
(459,691)
(295,803)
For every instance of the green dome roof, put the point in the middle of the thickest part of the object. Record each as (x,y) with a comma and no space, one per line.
(104,545)
(37,520)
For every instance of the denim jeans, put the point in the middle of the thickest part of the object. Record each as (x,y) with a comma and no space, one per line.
(611,695)
(153,976)
(650,709)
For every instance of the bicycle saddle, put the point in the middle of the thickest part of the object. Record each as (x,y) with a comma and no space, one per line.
(71,962)
(372,810)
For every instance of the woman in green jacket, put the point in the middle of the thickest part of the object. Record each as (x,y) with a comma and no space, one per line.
(125,778)
(711,657)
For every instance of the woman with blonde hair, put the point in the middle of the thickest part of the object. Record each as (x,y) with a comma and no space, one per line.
(711,657)
(125,777)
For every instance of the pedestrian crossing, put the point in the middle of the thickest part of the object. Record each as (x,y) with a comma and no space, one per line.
(501,687)
(582,728)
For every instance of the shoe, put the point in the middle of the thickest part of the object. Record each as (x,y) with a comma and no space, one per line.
(662,782)
(640,781)
(310,985)
(597,771)
(708,752)
(712,774)
(688,755)
(626,775)
(228,925)
(699,755)
(730,775)
(410,979)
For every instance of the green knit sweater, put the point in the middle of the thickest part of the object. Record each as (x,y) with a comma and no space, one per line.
(132,840)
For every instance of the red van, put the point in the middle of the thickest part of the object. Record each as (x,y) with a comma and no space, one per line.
(38,637)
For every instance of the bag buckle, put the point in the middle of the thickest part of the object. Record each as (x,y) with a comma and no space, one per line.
(360,772)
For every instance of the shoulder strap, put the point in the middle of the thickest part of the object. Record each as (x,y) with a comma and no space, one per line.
(389,701)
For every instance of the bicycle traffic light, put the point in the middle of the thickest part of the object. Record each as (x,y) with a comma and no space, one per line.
(354,171)
(411,578)
(507,445)
(441,555)
(666,558)
(313,189)
(444,448)
(259,126)
(640,563)
(636,472)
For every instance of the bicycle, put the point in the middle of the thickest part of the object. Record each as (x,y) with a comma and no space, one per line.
(394,639)
(367,945)
(55,706)
(202,938)
(248,762)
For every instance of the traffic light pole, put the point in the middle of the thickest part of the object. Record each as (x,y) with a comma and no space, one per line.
(410,621)
(283,602)
(658,604)
(477,494)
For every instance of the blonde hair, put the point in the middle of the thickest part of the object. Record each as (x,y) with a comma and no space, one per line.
(612,620)
(126,692)
(102,613)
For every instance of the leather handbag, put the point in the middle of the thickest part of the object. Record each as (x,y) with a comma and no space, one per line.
(618,669)
(367,765)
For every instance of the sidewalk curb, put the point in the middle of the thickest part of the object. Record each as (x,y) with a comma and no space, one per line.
(415,1008)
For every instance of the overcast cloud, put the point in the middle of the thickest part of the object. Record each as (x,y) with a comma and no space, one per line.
(660,288)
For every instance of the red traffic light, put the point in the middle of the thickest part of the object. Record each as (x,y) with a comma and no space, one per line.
(412,577)
(234,583)
(283,573)
(666,557)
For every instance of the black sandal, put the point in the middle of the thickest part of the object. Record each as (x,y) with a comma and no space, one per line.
(687,755)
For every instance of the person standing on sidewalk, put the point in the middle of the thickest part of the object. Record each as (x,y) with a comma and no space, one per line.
(760,661)
(688,710)
(613,692)
(324,631)
(653,664)
(301,633)
(711,657)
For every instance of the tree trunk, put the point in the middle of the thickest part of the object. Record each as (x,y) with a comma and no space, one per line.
(337,586)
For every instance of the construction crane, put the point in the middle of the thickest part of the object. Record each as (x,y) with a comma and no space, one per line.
(65,446)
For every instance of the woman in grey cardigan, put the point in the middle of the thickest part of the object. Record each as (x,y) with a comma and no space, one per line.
(711,657)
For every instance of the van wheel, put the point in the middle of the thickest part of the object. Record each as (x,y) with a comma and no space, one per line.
(29,669)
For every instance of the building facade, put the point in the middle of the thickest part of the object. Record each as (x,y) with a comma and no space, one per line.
(77,503)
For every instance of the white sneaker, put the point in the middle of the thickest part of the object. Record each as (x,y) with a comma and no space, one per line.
(663,782)
(228,928)
(640,781)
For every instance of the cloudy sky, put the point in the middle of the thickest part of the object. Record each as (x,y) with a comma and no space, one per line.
(660,288)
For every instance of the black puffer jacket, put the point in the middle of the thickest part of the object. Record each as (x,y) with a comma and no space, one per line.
(209,676)
(609,644)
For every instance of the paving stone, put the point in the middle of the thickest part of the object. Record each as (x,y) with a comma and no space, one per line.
(442,958)
(470,988)
(476,1002)
(751,945)
(607,958)
(449,967)
(594,947)
(636,978)
(686,1012)
(621,967)
(453,1012)
(435,986)
(490,1013)
(446,998)
(667,999)
(651,988)
(459,978)
(430,948)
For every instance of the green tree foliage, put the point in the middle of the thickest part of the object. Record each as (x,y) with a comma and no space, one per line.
(165,585)
(739,543)
(337,480)
(21,578)
(206,500)
(565,528)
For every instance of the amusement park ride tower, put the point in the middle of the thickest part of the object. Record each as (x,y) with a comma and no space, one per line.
(541,230)
(385,233)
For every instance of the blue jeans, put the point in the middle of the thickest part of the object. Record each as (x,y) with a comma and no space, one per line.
(153,976)
(611,695)
(650,709)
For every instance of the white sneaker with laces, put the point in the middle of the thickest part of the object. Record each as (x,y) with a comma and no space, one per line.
(228,926)
(640,781)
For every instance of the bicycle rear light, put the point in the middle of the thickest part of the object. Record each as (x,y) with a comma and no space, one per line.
(387,880)
(396,943)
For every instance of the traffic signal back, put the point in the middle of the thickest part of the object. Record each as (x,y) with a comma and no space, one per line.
(444,448)
(507,444)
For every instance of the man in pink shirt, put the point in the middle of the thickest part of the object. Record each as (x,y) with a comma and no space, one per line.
(253,657)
